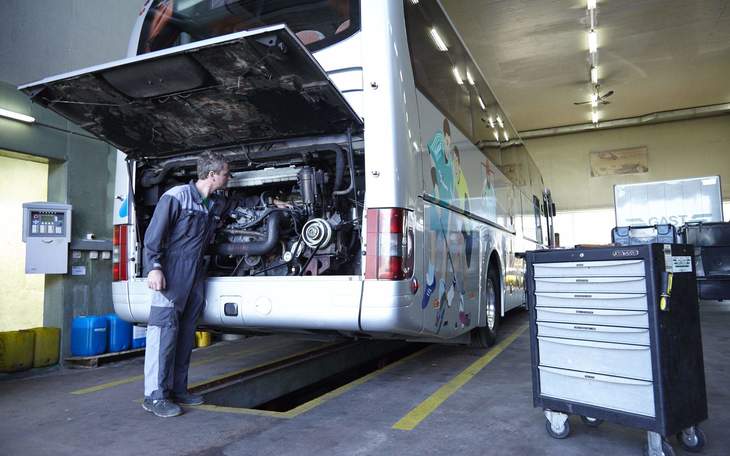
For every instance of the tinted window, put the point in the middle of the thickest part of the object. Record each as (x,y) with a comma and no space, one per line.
(318,23)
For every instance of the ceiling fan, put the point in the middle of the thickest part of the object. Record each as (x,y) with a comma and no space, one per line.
(596,97)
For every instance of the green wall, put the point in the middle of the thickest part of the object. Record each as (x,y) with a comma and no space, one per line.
(80,173)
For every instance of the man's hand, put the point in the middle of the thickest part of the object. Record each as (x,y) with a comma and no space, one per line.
(156,280)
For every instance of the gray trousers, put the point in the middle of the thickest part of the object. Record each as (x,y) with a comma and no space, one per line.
(170,340)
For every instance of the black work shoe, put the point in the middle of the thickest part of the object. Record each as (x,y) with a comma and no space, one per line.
(187,398)
(164,408)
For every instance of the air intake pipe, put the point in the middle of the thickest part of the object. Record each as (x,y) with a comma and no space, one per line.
(255,248)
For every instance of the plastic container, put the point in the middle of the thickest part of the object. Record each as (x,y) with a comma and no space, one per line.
(202,338)
(88,336)
(139,336)
(119,334)
(637,235)
(16,350)
(47,343)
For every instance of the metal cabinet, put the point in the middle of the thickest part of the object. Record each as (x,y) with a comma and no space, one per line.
(615,336)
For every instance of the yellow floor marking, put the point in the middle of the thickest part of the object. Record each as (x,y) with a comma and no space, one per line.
(201,362)
(425,408)
(314,402)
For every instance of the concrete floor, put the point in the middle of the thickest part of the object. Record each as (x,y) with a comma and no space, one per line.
(42,413)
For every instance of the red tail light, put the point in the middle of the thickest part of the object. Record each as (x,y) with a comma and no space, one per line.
(389,245)
(120,260)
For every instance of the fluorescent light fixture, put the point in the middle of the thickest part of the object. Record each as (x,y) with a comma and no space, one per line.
(594,99)
(484,108)
(591,4)
(594,75)
(16,116)
(438,41)
(457,75)
(592,41)
(496,135)
(491,122)
(414,2)
(594,117)
(499,121)
(504,133)
(415,146)
(469,78)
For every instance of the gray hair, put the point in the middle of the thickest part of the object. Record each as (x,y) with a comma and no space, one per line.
(210,161)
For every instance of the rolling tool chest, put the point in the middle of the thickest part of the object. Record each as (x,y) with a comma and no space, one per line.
(615,336)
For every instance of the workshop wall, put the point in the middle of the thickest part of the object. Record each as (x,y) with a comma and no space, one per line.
(81,173)
(21,300)
(60,36)
(690,148)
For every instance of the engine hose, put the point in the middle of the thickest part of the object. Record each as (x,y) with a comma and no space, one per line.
(351,162)
(255,248)
(339,168)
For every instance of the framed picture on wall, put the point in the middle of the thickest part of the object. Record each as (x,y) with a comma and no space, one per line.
(634,160)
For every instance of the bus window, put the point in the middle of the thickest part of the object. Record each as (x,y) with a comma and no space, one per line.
(317,23)
(439,75)
(538,219)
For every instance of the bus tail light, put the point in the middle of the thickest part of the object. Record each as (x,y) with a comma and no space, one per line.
(120,260)
(389,244)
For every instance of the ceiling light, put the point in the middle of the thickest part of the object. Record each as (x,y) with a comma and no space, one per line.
(457,76)
(594,75)
(438,41)
(592,41)
(469,78)
(591,4)
(16,116)
(504,133)
(491,122)
(499,121)
(496,135)
(484,108)
(594,117)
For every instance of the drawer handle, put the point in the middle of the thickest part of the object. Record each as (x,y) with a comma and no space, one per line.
(587,296)
(587,328)
(586,312)
(581,280)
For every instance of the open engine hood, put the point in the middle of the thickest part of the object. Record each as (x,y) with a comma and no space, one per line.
(244,87)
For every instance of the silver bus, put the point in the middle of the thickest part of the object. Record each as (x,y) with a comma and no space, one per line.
(378,190)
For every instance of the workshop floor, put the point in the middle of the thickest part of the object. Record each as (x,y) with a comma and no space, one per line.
(441,400)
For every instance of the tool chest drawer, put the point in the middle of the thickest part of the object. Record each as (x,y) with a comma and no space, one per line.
(622,360)
(592,300)
(591,284)
(629,318)
(627,395)
(613,334)
(590,269)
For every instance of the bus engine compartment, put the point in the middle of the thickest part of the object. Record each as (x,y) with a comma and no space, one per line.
(290,211)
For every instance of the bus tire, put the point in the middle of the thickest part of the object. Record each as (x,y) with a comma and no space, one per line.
(486,336)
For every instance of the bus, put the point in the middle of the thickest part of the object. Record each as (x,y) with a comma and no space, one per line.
(378,188)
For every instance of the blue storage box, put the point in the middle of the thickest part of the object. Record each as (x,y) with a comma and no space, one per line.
(120,334)
(88,336)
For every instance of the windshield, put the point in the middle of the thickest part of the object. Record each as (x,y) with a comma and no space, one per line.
(317,23)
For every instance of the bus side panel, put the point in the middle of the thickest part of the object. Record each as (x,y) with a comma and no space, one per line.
(122,206)
(393,176)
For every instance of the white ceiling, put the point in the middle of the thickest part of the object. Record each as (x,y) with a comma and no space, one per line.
(657,55)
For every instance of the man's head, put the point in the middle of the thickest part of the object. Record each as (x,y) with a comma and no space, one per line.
(213,169)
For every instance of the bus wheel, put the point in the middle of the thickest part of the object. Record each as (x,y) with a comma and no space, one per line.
(486,336)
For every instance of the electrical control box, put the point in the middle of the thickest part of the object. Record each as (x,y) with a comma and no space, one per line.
(46,233)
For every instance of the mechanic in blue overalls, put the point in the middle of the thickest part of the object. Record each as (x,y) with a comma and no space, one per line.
(182,226)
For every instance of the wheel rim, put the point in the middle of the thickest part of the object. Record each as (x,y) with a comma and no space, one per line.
(690,440)
(491,305)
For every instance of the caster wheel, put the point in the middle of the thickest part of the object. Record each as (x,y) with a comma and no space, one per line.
(692,443)
(591,422)
(565,432)
(667,450)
